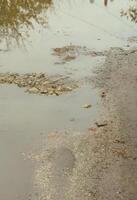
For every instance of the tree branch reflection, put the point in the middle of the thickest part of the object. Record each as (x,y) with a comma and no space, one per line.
(16,17)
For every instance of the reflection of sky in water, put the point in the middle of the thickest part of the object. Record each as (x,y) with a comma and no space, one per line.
(74,21)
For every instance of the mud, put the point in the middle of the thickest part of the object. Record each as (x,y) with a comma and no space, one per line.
(103,161)
(118,79)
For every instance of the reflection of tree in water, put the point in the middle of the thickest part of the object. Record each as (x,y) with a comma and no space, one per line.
(130,13)
(17,14)
(105,1)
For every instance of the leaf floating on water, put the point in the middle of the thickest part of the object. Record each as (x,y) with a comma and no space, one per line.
(87,106)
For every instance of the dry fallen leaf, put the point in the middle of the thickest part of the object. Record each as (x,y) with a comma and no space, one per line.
(87,106)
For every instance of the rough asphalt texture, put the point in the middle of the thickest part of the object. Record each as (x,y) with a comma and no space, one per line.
(100,164)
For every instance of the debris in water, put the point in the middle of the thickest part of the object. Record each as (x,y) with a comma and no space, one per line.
(71,52)
(87,106)
(39,83)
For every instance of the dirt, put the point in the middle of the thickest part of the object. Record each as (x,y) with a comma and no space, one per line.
(119,79)
(102,163)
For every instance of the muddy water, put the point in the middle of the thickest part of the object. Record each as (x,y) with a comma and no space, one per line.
(26,46)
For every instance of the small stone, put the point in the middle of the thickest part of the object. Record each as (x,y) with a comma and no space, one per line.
(99,125)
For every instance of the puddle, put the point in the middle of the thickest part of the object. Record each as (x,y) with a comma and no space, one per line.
(22,123)
(21,116)
(27,40)
(15,173)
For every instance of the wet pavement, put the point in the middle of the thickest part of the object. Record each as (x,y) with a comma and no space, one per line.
(27,44)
